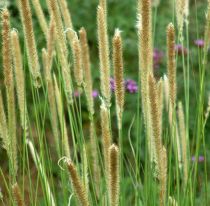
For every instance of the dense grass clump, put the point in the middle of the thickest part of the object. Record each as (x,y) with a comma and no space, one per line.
(95,113)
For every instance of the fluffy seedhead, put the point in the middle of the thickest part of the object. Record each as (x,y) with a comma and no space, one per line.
(166,91)
(163,176)
(17,195)
(145,66)
(156,131)
(160,99)
(51,38)
(62,52)
(103,4)
(118,75)
(146,38)
(86,70)
(106,136)
(104,56)
(67,18)
(19,77)
(183,137)
(171,65)
(9,83)
(95,159)
(55,12)
(78,186)
(155,116)
(114,176)
(180,14)
(145,56)
(26,17)
(78,73)
(40,15)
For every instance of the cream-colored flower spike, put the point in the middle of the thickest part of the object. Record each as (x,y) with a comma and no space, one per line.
(104,56)
(40,15)
(184,142)
(80,190)
(171,64)
(118,75)
(114,176)
(106,136)
(9,84)
(88,85)
(26,17)
(19,77)
(78,72)
(161,155)
(62,51)
(17,195)
(67,19)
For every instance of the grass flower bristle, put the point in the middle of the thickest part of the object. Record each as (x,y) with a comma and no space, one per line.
(104,55)
(19,77)
(118,75)
(17,195)
(78,72)
(86,70)
(78,186)
(9,84)
(26,17)
(114,175)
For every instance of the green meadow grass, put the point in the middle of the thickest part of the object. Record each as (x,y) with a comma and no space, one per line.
(43,175)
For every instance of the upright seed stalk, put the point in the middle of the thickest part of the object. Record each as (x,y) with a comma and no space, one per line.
(86,70)
(19,77)
(67,19)
(17,195)
(145,66)
(118,76)
(78,73)
(104,56)
(40,15)
(156,128)
(171,67)
(62,50)
(9,84)
(114,175)
(182,131)
(106,137)
(78,186)
(26,17)
(95,159)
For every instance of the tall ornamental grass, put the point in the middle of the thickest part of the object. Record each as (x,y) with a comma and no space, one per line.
(63,149)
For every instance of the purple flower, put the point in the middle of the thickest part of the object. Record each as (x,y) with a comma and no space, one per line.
(179,49)
(95,93)
(112,84)
(200,158)
(157,58)
(199,43)
(131,86)
(76,93)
